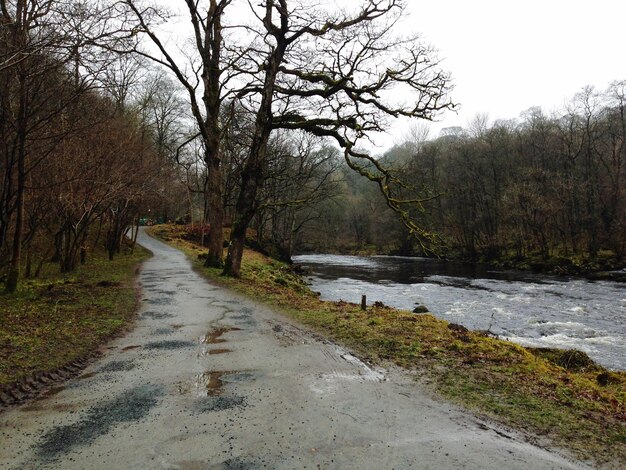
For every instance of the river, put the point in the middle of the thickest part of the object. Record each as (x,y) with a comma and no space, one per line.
(527,308)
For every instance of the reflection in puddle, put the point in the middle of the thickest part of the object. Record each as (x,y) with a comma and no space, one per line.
(206,384)
(214,337)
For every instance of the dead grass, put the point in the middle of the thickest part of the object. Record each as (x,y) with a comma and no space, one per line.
(498,378)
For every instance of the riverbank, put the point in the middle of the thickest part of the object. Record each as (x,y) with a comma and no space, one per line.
(582,408)
(529,309)
(52,325)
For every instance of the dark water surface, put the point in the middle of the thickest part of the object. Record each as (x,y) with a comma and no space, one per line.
(527,308)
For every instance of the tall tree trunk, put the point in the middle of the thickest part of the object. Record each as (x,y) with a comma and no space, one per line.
(245,209)
(215,209)
(252,175)
(14,267)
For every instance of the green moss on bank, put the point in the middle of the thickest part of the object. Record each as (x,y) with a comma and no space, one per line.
(56,319)
(577,409)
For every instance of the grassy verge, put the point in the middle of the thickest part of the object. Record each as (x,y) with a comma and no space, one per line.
(579,406)
(56,319)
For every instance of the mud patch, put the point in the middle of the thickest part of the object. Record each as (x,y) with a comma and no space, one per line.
(130,406)
(86,376)
(52,392)
(213,404)
(157,315)
(169,345)
(60,407)
(215,336)
(118,366)
(130,348)
(288,335)
(219,351)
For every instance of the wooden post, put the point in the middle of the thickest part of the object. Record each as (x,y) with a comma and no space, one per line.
(363,302)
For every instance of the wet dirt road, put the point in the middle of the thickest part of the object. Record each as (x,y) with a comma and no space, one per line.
(210,380)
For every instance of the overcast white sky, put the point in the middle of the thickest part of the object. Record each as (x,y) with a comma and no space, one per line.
(507,56)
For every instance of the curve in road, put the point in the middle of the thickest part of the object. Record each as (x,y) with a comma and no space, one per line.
(208,379)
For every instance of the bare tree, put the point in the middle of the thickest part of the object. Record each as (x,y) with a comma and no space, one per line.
(34,55)
(330,73)
(46,63)
(206,87)
(299,176)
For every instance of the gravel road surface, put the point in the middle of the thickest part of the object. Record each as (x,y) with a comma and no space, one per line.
(210,380)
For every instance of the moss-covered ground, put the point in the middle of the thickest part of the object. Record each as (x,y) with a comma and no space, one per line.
(58,318)
(582,408)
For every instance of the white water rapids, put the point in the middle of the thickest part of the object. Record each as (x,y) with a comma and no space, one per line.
(529,309)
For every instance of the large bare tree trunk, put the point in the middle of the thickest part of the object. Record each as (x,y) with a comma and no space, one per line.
(252,175)
(215,211)
(16,255)
(245,210)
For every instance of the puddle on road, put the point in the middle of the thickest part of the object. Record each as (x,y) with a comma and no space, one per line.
(214,337)
(206,384)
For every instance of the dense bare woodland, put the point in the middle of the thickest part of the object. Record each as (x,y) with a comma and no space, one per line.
(80,159)
(244,112)
(263,124)
(542,190)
